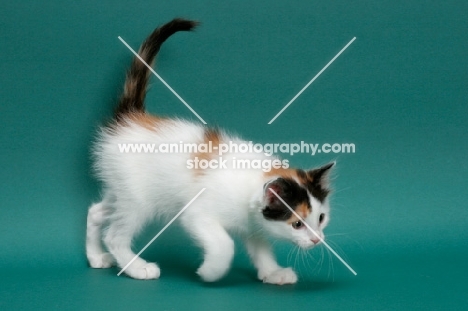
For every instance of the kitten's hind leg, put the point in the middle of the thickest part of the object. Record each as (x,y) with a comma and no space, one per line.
(96,255)
(118,240)
(217,244)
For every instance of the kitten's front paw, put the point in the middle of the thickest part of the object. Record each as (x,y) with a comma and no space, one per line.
(211,273)
(148,271)
(99,261)
(280,277)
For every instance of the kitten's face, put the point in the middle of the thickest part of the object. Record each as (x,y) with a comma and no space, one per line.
(306,193)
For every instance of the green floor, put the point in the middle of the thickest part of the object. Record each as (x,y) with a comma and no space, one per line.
(398,93)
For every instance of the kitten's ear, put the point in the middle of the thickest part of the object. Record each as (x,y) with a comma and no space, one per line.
(319,179)
(274,209)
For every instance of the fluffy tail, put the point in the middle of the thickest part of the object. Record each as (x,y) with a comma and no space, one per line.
(133,98)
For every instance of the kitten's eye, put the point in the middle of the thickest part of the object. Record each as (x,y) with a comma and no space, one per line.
(297,224)
(321,218)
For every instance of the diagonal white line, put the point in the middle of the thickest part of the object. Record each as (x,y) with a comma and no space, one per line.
(162,230)
(315,233)
(311,81)
(162,80)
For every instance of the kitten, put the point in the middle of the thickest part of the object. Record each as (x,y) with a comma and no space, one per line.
(142,187)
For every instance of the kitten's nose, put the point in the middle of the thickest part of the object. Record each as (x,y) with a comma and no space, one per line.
(315,240)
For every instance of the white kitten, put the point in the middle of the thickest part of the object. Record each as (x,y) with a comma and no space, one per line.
(142,187)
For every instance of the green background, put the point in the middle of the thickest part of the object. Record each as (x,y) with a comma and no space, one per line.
(398,92)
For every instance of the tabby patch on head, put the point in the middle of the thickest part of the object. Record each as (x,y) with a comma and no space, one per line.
(291,192)
(295,194)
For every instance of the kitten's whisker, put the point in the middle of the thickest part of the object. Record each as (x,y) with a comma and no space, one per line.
(332,268)
(297,254)
(307,256)
(317,262)
(335,245)
(320,262)
(289,257)
(308,262)
(313,262)
(336,234)
(347,236)
(341,190)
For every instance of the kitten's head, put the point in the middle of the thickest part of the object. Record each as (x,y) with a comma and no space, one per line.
(306,192)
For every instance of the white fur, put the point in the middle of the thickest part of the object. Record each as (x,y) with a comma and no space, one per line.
(139,188)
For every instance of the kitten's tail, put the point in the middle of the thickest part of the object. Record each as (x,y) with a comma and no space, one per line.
(133,97)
